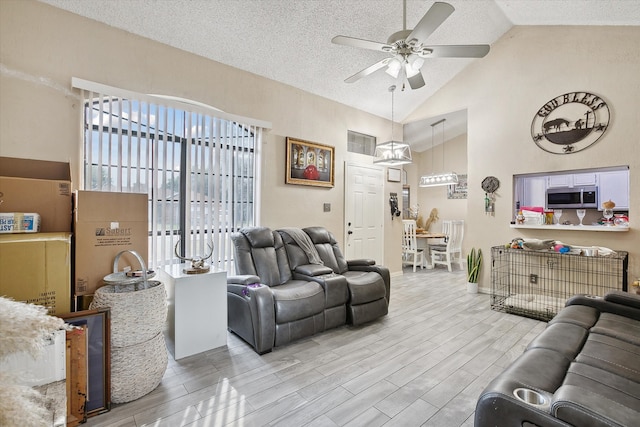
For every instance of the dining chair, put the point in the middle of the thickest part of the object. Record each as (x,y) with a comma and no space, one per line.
(441,246)
(451,253)
(410,250)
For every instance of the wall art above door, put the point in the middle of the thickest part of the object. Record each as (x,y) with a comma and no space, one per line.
(570,123)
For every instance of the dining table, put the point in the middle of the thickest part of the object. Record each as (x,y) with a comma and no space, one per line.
(422,241)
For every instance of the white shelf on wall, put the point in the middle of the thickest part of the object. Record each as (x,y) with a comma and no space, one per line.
(573,227)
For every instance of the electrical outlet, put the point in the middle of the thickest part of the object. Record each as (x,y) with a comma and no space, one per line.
(533,279)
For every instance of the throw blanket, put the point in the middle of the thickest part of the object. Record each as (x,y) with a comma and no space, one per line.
(306,244)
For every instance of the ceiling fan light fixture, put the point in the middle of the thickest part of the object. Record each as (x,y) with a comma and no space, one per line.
(393,69)
(411,43)
(411,70)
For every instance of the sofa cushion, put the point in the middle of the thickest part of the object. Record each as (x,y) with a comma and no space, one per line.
(364,286)
(619,327)
(565,338)
(604,383)
(297,299)
(611,354)
(583,407)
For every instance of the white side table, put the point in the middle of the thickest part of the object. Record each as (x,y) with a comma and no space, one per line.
(197,312)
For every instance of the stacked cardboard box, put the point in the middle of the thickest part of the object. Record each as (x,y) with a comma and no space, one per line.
(36,267)
(37,186)
(106,224)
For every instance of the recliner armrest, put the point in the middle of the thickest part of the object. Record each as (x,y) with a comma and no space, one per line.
(251,314)
(356,262)
(246,279)
(239,284)
(313,270)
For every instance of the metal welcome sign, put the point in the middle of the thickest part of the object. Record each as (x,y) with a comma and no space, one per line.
(570,123)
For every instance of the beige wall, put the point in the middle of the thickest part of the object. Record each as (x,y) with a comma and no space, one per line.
(42,48)
(455,159)
(527,67)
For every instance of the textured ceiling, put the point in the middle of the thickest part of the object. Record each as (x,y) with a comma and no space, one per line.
(290,40)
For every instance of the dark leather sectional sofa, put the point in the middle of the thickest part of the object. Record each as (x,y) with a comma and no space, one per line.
(582,370)
(294,283)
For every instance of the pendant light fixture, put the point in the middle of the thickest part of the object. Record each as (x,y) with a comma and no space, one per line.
(444,178)
(392,153)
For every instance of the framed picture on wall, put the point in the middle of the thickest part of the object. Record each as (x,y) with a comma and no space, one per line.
(393,174)
(309,163)
(459,190)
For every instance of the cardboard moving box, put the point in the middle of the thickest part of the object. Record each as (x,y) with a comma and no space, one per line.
(37,186)
(106,224)
(36,268)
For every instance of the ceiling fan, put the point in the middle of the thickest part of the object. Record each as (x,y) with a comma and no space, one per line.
(408,49)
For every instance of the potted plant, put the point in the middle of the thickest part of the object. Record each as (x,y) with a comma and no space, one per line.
(474,262)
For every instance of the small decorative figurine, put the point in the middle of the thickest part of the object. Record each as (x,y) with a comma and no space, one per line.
(198,264)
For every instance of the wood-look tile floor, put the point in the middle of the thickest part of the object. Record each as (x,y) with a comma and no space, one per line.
(424,364)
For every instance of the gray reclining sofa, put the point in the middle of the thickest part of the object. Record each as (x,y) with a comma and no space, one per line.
(582,370)
(286,289)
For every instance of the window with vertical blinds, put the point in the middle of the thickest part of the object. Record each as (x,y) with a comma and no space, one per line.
(198,166)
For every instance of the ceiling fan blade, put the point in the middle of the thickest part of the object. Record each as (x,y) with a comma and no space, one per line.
(431,20)
(369,70)
(361,43)
(457,51)
(416,81)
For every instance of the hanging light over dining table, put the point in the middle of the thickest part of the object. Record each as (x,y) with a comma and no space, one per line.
(443,178)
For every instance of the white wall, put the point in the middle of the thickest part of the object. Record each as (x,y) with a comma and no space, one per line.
(526,68)
(42,48)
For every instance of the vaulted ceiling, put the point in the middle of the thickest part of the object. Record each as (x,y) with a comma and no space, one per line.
(290,40)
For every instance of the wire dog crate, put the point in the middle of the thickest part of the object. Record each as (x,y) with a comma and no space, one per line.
(537,284)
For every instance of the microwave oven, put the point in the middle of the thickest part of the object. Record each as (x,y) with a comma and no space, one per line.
(572,198)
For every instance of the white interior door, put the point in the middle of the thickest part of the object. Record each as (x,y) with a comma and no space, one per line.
(364,212)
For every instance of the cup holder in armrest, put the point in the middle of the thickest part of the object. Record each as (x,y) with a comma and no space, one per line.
(531,397)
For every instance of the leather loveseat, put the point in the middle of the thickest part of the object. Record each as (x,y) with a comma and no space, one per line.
(283,291)
(582,370)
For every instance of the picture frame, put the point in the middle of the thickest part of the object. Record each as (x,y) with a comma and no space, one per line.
(394,174)
(309,163)
(98,324)
(459,190)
